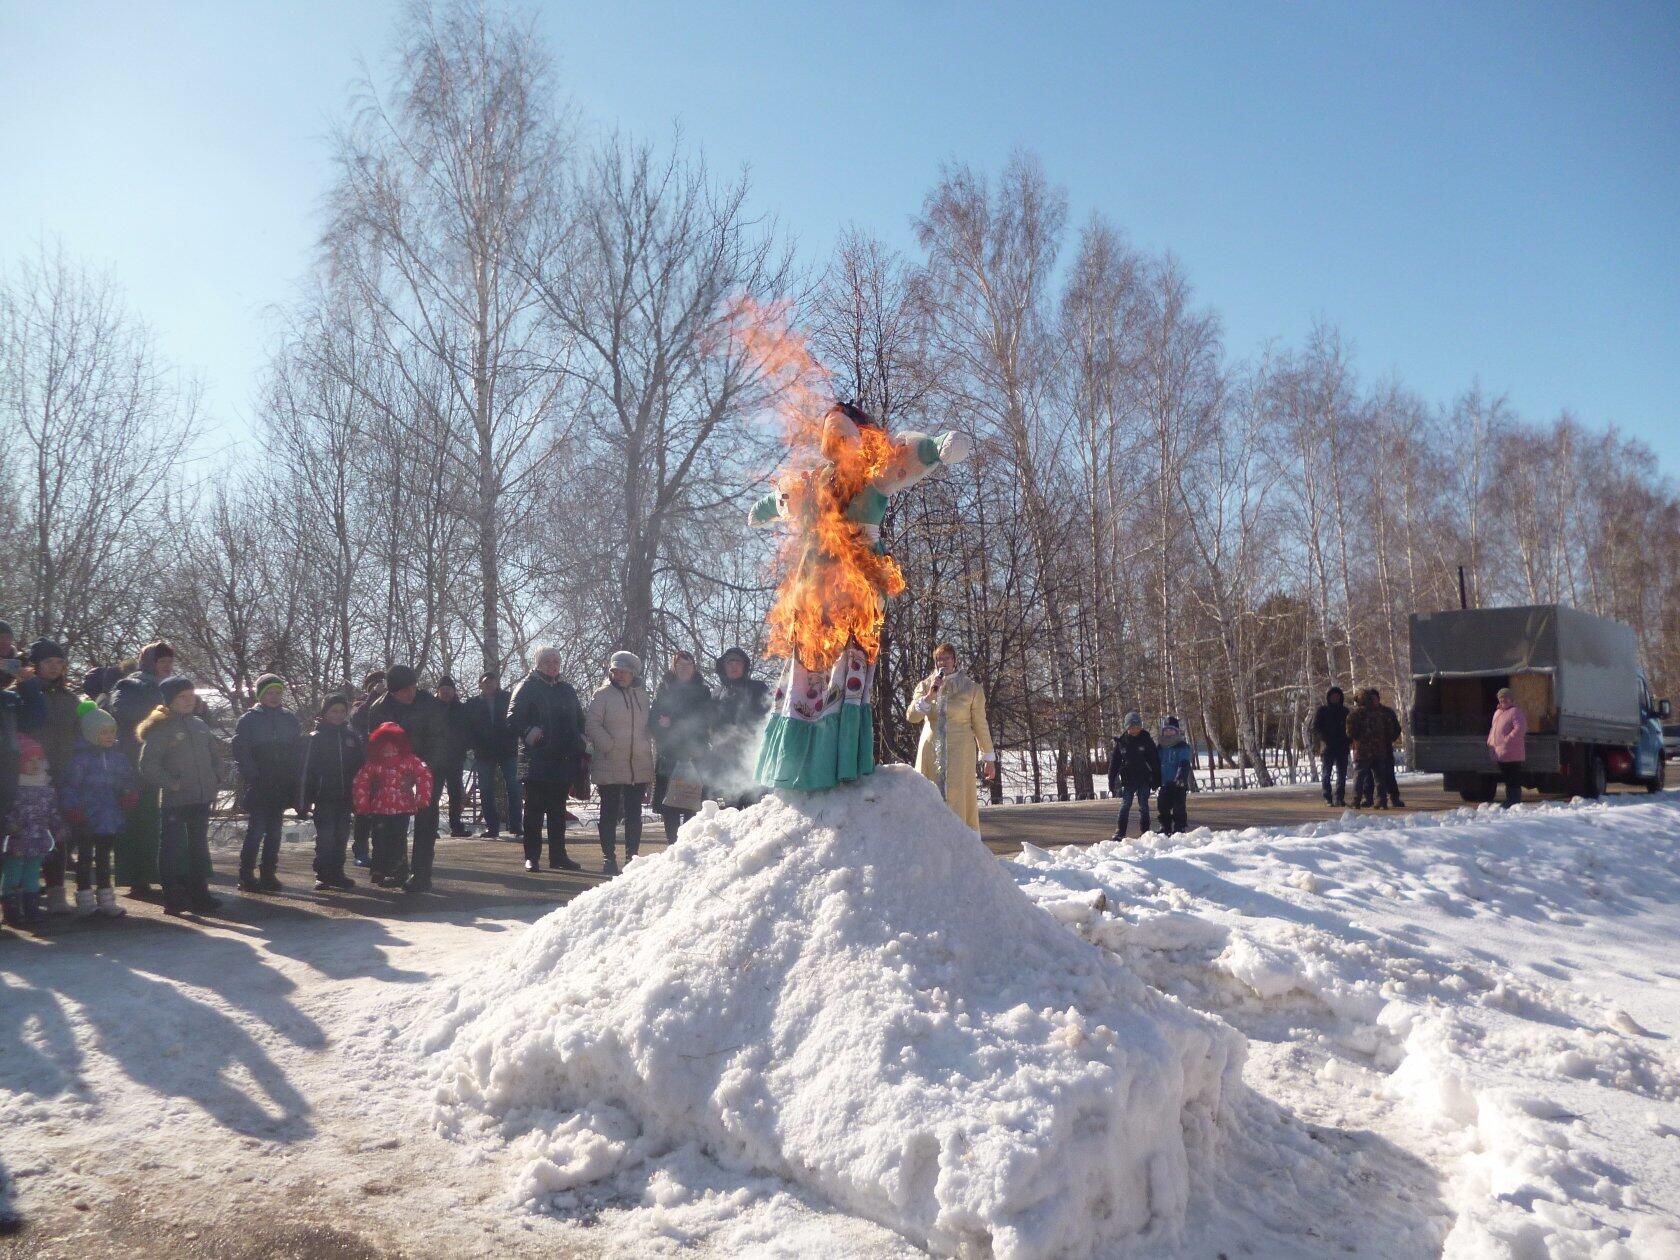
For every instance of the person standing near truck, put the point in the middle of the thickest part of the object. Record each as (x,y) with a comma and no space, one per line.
(1508,742)
(1330,725)
(1372,728)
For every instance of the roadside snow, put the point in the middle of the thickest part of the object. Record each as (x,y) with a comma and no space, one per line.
(1496,993)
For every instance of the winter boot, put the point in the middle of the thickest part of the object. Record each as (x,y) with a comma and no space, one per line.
(338,879)
(609,864)
(55,900)
(248,882)
(266,882)
(560,862)
(11,910)
(174,899)
(142,891)
(85,903)
(33,912)
(107,904)
(200,900)
(417,884)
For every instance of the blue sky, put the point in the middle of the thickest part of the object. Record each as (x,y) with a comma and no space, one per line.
(1469,191)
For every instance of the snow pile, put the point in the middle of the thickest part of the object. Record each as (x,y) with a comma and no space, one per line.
(1481,987)
(849,993)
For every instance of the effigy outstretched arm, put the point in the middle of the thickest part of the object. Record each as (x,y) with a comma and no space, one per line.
(915,455)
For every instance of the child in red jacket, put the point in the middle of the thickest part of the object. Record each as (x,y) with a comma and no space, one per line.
(393,785)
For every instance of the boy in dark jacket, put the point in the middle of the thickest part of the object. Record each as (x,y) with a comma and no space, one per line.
(1330,726)
(266,744)
(181,758)
(739,709)
(1177,758)
(1134,771)
(96,791)
(332,756)
(392,786)
(681,718)
(457,738)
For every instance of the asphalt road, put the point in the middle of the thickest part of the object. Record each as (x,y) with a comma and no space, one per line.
(487,876)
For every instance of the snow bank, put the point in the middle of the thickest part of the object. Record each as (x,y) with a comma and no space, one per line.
(848,992)
(1484,987)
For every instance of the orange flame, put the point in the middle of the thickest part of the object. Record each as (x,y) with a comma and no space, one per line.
(832,582)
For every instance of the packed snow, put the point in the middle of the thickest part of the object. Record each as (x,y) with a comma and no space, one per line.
(1462,1037)
(848,992)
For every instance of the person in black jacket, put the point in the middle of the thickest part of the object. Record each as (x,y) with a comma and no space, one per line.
(739,708)
(331,757)
(682,713)
(495,750)
(547,719)
(420,715)
(1330,726)
(1134,771)
(457,738)
(266,745)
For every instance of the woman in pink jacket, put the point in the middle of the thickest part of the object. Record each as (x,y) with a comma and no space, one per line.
(1508,740)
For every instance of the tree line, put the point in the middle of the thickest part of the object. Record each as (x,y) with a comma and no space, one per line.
(508,411)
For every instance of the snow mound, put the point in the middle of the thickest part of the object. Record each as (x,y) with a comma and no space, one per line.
(848,992)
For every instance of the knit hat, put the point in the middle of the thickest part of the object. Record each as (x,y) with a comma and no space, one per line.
(627,660)
(444,680)
(1134,718)
(44,650)
(173,686)
(94,721)
(401,677)
(269,680)
(5,627)
(30,753)
(1170,723)
(337,697)
(1505,693)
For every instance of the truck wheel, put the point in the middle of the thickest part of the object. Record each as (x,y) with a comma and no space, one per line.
(1485,788)
(1657,783)
(1594,778)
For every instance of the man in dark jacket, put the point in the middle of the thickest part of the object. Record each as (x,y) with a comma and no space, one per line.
(457,738)
(131,701)
(547,720)
(421,717)
(1330,727)
(681,717)
(1134,771)
(739,708)
(1373,728)
(495,750)
(267,743)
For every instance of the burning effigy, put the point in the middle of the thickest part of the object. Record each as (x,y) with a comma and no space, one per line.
(834,573)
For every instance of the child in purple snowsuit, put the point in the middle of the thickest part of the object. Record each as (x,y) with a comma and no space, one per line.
(96,791)
(33,826)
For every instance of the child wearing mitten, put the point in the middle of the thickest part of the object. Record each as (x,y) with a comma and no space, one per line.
(97,790)
(33,827)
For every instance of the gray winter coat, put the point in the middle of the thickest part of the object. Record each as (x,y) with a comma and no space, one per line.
(181,755)
(617,725)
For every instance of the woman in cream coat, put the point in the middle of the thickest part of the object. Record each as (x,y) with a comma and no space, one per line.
(951,709)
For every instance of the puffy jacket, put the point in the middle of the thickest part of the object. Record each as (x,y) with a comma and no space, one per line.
(60,733)
(32,823)
(421,718)
(1508,736)
(682,719)
(1373,728)
(739,706)
(1133,762)
(131,702)
(617,726)
(1177,762)
(553,708)
(1330,725)
(267,745)
(180,754)
(331,757)
(393,780)
(93,786)
(488,732)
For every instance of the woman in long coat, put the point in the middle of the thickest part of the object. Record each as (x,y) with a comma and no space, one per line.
(951,710)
